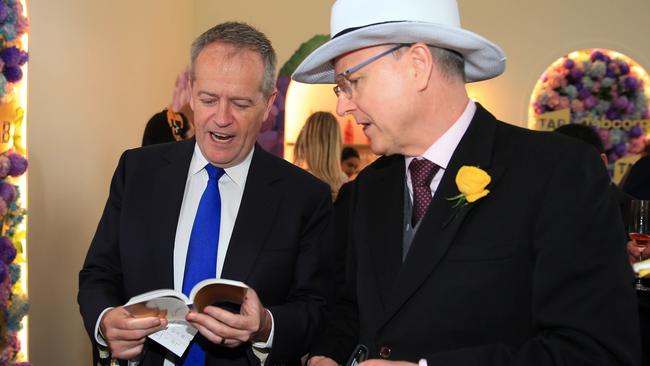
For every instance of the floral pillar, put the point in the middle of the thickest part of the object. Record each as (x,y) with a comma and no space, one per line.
(13,184)
(600,88)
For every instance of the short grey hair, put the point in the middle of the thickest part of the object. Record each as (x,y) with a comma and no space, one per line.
(451,63)
(240,35)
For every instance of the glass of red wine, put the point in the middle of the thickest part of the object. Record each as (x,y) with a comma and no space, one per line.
(639,229)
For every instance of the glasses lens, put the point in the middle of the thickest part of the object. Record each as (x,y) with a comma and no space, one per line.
(343,86)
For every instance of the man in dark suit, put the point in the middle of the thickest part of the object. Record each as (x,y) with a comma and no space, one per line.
(474,242)
(273,227)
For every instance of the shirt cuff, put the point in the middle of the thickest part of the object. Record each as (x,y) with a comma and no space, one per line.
(423,362)
(99,337)
(269,342)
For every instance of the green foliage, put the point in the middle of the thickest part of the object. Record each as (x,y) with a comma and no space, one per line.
(305,49)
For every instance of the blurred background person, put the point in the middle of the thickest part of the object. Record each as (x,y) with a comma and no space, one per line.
(173,123)
(637,182)
(318,150)
(350,161)
(590,136)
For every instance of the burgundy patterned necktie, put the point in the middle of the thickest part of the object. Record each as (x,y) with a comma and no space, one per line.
(422,172)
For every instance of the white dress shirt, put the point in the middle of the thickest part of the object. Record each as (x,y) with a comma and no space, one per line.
(231,190)
(442,149)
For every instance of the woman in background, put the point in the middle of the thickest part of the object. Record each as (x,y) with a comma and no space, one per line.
(350,162)
(318,150)
(174,123)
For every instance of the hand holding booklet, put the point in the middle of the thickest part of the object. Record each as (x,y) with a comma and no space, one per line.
(174,305)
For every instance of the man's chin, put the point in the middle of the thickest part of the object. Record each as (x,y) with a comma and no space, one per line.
(378,150)
(222,160)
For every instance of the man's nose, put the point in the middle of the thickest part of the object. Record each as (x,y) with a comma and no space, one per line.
(344,105)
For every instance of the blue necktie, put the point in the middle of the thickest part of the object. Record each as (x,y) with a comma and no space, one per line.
(201,260)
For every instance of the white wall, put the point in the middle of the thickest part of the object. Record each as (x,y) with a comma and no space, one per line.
(536,33)
(100,69)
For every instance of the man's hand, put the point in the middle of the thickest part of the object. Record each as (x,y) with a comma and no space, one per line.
(125,334)
(386,363)
(220,326)
(322,361)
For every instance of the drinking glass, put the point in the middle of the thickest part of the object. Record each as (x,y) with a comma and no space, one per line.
(639,229)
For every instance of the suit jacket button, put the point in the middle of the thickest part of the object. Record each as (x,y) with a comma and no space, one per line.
(384,352)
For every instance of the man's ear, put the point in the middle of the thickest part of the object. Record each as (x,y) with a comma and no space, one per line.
(269,103)
(421,63)
(191,83)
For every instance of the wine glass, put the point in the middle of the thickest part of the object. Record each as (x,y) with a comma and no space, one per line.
(639,229)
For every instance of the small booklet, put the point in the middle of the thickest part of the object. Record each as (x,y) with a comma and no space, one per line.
(174,305)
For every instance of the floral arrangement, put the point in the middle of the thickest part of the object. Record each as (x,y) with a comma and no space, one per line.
(13,24)
(598,85)
(13,304)
(13,301)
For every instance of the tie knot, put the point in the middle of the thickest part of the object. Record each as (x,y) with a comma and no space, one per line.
(214,172)
(422,172)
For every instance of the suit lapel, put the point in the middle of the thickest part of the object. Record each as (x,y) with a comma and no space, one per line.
(442,220)
(385,232)
(254,218)
(167,197)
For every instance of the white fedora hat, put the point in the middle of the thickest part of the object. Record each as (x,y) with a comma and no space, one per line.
(357,24)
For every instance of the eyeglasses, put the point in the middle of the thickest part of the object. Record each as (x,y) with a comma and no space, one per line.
(344,85)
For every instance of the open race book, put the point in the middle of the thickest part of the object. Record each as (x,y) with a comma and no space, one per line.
(174,305)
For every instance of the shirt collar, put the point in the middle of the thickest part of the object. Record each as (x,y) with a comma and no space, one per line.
(236,173)
(441,150)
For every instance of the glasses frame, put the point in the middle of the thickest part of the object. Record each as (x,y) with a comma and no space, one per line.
(343,84)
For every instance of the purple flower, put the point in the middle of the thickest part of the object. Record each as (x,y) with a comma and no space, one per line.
(631,83)
(7,251)
(613,114)
(635,132)
(620,149)
(620,103)
(24,57)
(590,102)
(597,55)
(13,74)
(11,56)
(7,192)
(630,108)
(18,164)
(569,63)
(625,69)
(584,94)
(610,72)
(577,74)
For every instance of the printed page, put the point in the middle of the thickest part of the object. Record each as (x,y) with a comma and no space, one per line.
(176,337)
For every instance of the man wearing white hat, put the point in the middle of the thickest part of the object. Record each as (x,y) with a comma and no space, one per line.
(473,242)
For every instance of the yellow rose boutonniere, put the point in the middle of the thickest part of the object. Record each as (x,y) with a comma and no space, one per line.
(471,182)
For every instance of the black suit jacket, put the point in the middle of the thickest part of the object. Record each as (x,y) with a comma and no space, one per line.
(534,273)
(279,245)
